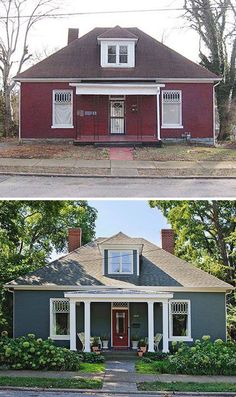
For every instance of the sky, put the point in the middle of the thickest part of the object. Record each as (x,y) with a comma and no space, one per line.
(51,34)
(132,217)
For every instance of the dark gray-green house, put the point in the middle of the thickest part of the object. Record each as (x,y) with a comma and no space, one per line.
(120,287)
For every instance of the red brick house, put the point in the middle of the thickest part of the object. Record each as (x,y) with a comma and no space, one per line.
(116,85)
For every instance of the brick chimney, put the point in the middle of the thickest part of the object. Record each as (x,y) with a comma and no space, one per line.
(73,34)
(74,238)
(167,240)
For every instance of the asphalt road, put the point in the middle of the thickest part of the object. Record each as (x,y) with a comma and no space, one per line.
(11,393)
(77,187)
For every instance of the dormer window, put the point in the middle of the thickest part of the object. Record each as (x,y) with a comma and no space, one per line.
(117,54)
(120,262)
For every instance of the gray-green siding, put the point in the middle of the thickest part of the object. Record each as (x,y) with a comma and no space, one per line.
(31,315)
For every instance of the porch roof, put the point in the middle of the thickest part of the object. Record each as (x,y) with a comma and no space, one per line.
(117,88)
(118,294)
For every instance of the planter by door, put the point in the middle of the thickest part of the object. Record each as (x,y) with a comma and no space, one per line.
(120,328)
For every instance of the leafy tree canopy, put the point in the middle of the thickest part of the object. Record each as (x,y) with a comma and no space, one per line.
(205,233)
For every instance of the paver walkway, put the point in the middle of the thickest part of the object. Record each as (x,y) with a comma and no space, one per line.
(119,376)
(116,153)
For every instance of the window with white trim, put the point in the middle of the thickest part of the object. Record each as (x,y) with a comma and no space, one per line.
(59,318)
(171,108)
(62,109)
(115,53)
(180,320)
(120,262)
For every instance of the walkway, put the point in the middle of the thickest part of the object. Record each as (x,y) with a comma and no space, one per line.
(120,376)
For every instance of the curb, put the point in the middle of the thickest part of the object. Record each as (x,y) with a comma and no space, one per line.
(99,176)
(99,391)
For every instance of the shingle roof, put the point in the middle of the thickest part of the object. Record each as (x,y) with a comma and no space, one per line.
(83,267)
(121,238)
(81,59)
(117,32)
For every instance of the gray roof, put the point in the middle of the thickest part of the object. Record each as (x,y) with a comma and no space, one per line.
(83,267)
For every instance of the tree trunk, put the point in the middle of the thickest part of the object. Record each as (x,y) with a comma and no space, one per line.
(7,119)
(223,93)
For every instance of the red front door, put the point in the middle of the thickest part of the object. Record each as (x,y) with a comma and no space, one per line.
(120,327)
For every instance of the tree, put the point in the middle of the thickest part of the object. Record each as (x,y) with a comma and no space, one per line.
(215,22)
(17,19)
(204,234)
(30,231)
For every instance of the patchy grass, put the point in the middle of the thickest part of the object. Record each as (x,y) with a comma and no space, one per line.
(186,152)
(187,387)
(51,382)
(154,367)
(92,368)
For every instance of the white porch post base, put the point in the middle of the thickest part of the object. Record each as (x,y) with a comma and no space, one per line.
(87,326)
(165,326)
(151,326)
(72,325)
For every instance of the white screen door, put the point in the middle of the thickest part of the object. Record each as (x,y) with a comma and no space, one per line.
(117,117)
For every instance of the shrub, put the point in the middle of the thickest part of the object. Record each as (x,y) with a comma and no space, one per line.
(204,358)
(29,352)
(155,356)
(92,358)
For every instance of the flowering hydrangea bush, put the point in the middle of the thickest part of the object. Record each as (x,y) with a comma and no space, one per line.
(204,358)
(29,352)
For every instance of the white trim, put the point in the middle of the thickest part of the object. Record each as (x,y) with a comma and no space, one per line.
(116,39)
(169,126)
(77,79)
(52,287)
(59,126)
(19,113)
(151,326)
(52,336)
(138,262)
(87,325)
(116,43)
(116,89)
(129,252)
(72,325)
(165,326)
(158,115)
(188,337)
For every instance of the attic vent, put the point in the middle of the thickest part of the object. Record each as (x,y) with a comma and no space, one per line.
(120,304)
(179,307)
(171,96)
(61,306)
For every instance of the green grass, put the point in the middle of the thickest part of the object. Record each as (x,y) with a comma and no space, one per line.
(187,387)
(154,367)
(51,382)
(92,368)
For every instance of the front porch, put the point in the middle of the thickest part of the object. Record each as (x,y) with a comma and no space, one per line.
(120,315)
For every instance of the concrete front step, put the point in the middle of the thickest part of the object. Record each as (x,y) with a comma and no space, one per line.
(119,355)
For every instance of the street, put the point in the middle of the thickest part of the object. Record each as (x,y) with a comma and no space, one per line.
(23,393)
(77,187)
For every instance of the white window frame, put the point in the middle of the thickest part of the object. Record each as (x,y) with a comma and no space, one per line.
(180,125)
(118,43)
(54,125)
(188,337)
(52,335)
(130,252)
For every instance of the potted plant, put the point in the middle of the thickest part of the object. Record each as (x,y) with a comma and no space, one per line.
(134,342)
(95,345)
(142,345)
(140,353)
(105,341)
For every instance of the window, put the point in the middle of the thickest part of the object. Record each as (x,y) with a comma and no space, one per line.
(180,320)
(123,54)
(120,262)
(111,54)
(171,109)
(62,109)
(59,319)
(118,54)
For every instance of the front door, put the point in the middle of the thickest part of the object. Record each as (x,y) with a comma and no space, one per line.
(117,117)
(120,327)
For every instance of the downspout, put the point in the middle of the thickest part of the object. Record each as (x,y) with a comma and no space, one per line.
(158,115)
(214,117)
(19,114)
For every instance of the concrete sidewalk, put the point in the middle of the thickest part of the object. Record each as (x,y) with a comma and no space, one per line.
(118,168)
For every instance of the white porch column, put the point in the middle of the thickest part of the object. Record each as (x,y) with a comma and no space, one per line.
(72,325)
(151,326)
(165,326)
(87,326)
(158,114)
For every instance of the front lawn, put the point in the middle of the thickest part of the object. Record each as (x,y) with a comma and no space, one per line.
(187,387)
(184,152)
(92,368)
(51,382)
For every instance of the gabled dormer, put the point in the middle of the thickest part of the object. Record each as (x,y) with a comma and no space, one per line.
(117,48)
(121,255)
